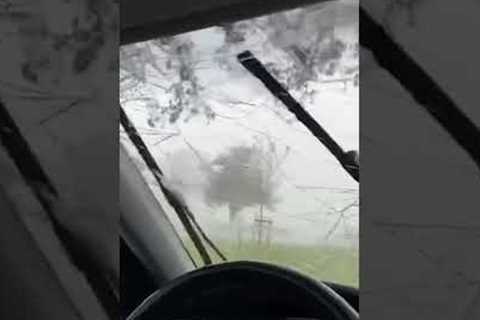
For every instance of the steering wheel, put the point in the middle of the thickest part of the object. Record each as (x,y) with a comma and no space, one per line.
(244,290)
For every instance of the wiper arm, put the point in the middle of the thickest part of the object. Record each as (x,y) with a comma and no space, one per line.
(254,66)
(36,178)
(393,58)
(183,212)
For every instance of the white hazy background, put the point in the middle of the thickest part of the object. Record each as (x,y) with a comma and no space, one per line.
(314,187)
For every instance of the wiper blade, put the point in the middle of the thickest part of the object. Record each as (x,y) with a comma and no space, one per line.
(393,58)
(254,66)
(181,209)
(31,170)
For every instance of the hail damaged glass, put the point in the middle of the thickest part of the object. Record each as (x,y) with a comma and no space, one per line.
(261,186)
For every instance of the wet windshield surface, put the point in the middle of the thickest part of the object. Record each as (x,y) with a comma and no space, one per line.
(258,182)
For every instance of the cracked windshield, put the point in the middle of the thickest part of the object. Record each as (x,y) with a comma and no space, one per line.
(259,182)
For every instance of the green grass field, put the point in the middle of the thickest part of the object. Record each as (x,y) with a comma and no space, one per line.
(335,264)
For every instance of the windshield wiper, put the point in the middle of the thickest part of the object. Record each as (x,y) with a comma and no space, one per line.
(393,58)
(254,66)
(32,172)
(178,204)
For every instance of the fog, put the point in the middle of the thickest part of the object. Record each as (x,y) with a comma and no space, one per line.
(313,188)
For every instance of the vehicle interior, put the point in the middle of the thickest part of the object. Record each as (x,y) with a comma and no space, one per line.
(160,280)
(60,253)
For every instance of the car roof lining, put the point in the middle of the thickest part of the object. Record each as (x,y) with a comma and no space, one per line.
(143,20)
